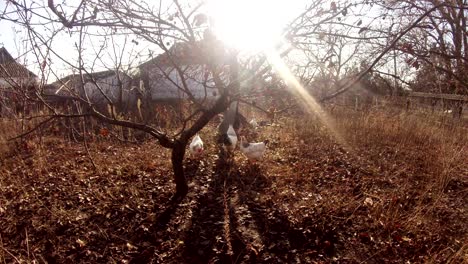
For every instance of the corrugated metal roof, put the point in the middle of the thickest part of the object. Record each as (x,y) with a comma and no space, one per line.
(66,87)
(74,80)
(9,68)
(5,56)
(185,53)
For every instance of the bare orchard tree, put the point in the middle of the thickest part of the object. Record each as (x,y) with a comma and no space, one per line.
(438,44)
(370,31)
(192,63)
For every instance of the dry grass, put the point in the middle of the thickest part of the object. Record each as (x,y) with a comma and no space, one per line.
(392,188)
(7,130)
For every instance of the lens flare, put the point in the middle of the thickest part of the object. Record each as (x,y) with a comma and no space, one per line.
(307,101)
(251,25)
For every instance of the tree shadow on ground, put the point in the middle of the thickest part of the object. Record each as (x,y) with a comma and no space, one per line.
(164,215)
(204,241)
(265,229)
(231,222)
(283,239)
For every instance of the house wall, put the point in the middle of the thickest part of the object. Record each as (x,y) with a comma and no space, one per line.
(163,88)
(11,102)
(114,90)
(9,82)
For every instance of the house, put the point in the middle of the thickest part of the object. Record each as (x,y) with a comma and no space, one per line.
(101,88)
(12,73)
(158,81)
(16,81)
(162,80)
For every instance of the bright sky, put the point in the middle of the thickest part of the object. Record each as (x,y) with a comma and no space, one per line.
(10,36)
(252,25)
(249,25)
(244,24)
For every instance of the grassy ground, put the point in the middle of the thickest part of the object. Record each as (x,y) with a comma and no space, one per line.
(381,187)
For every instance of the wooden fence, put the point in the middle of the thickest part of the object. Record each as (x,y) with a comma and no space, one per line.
(451,103)
(452,97)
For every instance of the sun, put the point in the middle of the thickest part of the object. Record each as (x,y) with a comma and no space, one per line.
(250,24)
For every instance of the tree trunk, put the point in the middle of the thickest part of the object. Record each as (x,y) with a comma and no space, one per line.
(230,114)
(229,117)
(177,158)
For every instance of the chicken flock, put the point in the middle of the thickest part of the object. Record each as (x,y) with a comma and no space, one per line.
(254,151)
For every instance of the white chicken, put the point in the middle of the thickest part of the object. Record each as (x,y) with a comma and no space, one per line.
(231,139)
(196,146)
(253,151)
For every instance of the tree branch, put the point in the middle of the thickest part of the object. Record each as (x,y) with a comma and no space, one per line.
(359,77)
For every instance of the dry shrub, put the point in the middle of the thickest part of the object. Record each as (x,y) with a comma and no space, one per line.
(441,145)
(412,166)
(12,142)
(8,129)
(438,147)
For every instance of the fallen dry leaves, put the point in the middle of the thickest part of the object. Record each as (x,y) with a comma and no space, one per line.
(309,201)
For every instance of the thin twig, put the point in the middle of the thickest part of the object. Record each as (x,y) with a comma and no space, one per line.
(7,251)
(85,143)
(45,122)
(27,243)
(361,75)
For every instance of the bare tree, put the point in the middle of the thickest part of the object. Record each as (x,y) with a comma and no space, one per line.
(190,53)
(439,43)
(327,37)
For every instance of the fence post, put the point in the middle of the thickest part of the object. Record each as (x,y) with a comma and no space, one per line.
(433,104)
(460,110)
